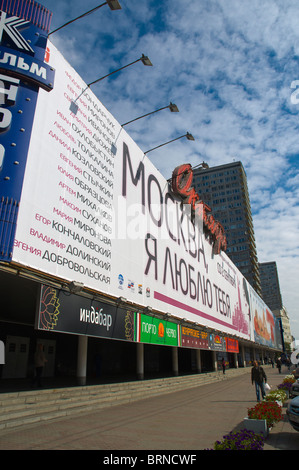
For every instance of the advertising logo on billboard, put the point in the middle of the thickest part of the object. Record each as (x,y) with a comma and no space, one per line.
(194,338)
(9,25)
(155,331)
(232,345)
(23,70)
(61,312)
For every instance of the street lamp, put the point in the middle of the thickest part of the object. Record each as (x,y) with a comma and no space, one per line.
(201,165)
(173,108)
(144,59)
(76,287)
(112,4)
(188,135)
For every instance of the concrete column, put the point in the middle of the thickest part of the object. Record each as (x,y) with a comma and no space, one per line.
(243,355)
(175,361)
(82,359)
(140,361)
(214,360)
(198,361)
(236,360)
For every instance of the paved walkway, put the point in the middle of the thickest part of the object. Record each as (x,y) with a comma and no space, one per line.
(189,420)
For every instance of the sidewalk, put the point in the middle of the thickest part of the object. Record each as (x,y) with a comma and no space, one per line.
(189,420)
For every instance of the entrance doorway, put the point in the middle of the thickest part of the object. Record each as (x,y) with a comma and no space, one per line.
(49,347)
(16,357)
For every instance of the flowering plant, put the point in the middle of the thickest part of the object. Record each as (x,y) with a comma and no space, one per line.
(268,410)
(289,379)
(285,386)
(277,395)
(240,440)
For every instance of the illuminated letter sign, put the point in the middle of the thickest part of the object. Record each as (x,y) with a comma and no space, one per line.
(182,178)
(24,27)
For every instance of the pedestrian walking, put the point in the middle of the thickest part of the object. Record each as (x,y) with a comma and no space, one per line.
(39,362)
(278,364)
(223,365)
(259,378)
(272,363)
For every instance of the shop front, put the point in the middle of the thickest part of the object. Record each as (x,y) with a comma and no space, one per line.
(119,343)
(114,269)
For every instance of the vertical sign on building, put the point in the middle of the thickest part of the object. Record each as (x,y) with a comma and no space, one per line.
(24,27)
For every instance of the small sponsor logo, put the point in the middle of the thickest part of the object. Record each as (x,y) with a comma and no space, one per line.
(131,285)
(120,281)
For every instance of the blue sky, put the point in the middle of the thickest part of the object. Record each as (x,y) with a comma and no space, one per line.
(229,66)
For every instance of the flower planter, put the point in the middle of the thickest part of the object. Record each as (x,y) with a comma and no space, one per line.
(258,426)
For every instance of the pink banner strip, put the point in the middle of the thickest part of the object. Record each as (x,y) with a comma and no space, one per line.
(182,306)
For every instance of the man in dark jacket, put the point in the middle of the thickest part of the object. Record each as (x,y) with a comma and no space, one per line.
(258,377)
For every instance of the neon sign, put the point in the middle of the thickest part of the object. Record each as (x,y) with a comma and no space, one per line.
(182,178)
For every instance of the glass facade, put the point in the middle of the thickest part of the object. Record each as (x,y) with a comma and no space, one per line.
(270,285)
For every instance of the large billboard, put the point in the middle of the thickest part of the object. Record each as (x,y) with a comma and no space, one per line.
(111,220)
(94,209)
(266,328)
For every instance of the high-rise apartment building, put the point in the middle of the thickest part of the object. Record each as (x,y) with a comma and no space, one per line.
(270,285)
(224,189)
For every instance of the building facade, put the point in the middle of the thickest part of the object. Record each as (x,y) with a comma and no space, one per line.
(270,285)
(224,189)
(286,329)
(272,297)
(104,293)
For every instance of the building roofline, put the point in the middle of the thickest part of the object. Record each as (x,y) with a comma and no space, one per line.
(219,167)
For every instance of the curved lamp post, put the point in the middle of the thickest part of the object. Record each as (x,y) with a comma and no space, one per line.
(113,5)
(144,59)
(173,108)
(188,135)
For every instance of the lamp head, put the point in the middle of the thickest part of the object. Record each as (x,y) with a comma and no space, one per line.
(173,108)
(145,60)
(189,136)
(113,4)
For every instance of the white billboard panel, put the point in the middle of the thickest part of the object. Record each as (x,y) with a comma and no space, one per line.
(66,208)
(112,221)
